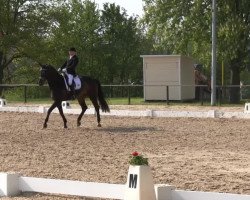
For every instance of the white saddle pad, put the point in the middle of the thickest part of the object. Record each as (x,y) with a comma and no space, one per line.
(77,83)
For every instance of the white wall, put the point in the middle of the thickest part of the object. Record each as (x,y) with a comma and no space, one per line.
(172,70)
(187,78)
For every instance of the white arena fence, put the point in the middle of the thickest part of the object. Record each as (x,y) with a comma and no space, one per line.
(12,184)
(136,113)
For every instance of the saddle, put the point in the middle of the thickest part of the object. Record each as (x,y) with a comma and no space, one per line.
(76,82)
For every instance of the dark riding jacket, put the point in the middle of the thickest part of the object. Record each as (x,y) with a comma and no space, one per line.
(70,65)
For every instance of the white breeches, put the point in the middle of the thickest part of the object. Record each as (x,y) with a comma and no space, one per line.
(70,77)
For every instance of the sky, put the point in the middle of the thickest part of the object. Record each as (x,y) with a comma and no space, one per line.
(133,7)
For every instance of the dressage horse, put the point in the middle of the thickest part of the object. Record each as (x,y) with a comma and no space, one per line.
(90,88)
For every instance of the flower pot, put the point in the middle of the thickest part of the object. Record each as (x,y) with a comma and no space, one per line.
(139,183)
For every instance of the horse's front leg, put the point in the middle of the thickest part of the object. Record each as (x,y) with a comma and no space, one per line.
(84,108)
(48,114)
(59,106)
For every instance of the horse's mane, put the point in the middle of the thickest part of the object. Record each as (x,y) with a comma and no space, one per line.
(51,68)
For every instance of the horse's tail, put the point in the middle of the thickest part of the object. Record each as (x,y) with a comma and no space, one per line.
(103,103)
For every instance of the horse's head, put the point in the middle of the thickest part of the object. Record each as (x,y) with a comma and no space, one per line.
(46,73)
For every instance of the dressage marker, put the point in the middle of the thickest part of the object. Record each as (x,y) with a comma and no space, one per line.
(2,102)
(66,105)
(139,183)
(247,108)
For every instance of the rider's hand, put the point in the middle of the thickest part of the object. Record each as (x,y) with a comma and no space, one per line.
(59,69)
(64,70)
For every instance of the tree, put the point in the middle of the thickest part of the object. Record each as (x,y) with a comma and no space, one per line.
(109,42)
(184,26)
(122,45)
(24,26)
(77,24)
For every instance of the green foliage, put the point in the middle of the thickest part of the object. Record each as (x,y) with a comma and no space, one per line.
(24,29)
(138,159)
(121,39)
(34,93)
(108,42)
(184,27)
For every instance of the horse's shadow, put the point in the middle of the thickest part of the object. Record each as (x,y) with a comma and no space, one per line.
(120,129)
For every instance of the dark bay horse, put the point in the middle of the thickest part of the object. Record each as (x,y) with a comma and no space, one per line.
(90,88)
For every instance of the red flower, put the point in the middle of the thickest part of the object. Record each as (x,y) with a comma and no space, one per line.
(135,153)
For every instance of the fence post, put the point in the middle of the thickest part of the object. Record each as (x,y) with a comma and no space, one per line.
(167,94)
(129,97)
(110,91)
(25,94)
(223,93)
(201,95)
(219,94)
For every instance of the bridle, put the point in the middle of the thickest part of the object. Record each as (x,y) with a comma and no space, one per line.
(42,77)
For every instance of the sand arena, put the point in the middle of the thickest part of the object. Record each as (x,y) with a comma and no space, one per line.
(189,153)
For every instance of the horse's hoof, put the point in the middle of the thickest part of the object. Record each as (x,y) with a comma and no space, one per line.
(44,126)
(78,124)
(65,127)
(99,125)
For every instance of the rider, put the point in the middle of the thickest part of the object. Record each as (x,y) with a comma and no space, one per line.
(69,67)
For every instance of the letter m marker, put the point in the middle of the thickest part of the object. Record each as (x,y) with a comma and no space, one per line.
(133,181)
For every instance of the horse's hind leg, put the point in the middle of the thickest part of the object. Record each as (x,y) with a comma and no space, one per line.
(84,108)
(59,106)
(97,107)
(48,114)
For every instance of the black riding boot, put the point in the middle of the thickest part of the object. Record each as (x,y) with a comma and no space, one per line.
(72,88)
